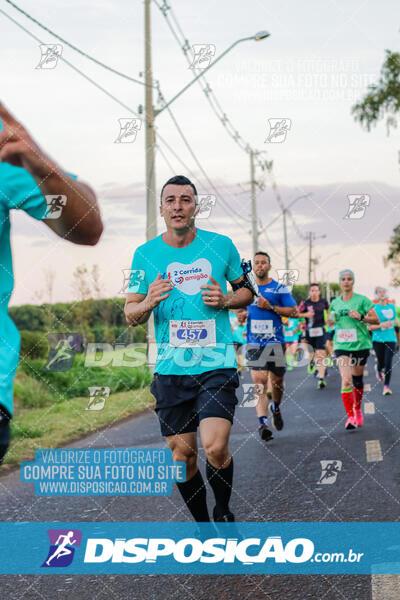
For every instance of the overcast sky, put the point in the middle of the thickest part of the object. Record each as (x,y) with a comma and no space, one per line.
(314,67)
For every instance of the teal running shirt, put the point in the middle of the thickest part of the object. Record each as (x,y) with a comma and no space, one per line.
(191,337)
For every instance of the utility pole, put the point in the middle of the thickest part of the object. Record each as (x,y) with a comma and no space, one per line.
(254,222)
(310,241)
(150,138)
(285,239)
(150,141)
(311,238)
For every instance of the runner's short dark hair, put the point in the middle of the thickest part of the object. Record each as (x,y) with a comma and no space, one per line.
(179,180)
(312,285)
(264,254)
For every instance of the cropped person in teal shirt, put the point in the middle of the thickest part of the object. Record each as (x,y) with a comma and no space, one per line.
(27,176)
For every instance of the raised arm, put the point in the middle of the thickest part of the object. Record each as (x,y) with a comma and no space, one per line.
(80,221)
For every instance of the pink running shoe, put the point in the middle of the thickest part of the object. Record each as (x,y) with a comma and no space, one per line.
(379,375)
(359,419)
(386,390)
(350,423)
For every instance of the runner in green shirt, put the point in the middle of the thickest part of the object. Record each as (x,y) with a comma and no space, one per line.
(351,312)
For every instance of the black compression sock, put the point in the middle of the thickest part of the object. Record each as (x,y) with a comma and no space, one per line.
(221,483)
(194,494)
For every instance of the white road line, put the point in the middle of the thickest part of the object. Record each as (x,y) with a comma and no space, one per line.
(367,387)
(369,408)
(385,587)
(374,451)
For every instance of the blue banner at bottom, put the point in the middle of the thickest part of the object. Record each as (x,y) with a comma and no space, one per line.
(193,548)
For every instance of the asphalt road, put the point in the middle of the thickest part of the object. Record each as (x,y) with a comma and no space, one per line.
(274,481)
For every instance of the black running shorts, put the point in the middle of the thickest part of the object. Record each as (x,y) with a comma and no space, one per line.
(267,358)
(182,401)
(317,343)
(359,357)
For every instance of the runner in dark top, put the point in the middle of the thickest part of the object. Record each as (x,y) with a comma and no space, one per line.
(314,310)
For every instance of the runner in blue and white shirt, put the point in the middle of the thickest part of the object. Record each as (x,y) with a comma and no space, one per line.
(266,341)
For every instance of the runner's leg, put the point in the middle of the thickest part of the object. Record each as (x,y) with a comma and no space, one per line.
(379,348)
(344,364)
(358,390)
(320,361)
(390,349)
(193,490)
(262,378)
(214,433)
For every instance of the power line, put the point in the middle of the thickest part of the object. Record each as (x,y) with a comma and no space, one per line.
(92,81)
(190,149)
(125,106)
(75,48)
(203,82)
(160,150)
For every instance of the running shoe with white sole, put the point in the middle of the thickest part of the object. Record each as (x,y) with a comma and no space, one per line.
(223,518)
(276,418)
(265,433)
(378,374)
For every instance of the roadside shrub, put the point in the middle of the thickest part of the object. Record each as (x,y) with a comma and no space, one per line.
(30,393)
(34,344)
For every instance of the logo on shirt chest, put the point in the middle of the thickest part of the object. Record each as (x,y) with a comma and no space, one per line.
(189,278)
(387,313)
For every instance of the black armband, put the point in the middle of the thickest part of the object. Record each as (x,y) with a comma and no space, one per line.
(248,280)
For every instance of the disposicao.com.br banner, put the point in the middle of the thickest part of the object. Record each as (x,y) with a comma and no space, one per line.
(209,548)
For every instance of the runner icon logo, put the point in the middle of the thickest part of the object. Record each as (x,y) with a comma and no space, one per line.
(278,129)
(202,55)
(50,53)
(206,202)
(251,393)
(288,277)
(55,204)
(128,129)
(329,471)
(358,204)
(62,348)
(62,547)
(132,280)
(98,396)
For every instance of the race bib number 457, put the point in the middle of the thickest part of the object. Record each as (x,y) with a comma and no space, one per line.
(192,334)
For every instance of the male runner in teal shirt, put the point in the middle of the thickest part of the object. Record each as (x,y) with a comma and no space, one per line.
(27,175)
(181,276)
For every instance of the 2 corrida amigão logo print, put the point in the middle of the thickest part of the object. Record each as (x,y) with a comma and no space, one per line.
(189,278)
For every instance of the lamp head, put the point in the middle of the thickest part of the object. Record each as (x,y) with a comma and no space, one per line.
(261,35)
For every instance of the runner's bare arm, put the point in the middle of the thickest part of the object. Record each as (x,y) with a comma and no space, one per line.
(371,317)
(138,307)
(283,311)
(287,311)
(80,221)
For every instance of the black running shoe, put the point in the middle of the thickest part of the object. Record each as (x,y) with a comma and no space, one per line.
(228,517)
(277,421)
(265,433)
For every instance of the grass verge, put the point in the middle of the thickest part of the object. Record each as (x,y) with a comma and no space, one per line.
(52,425)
